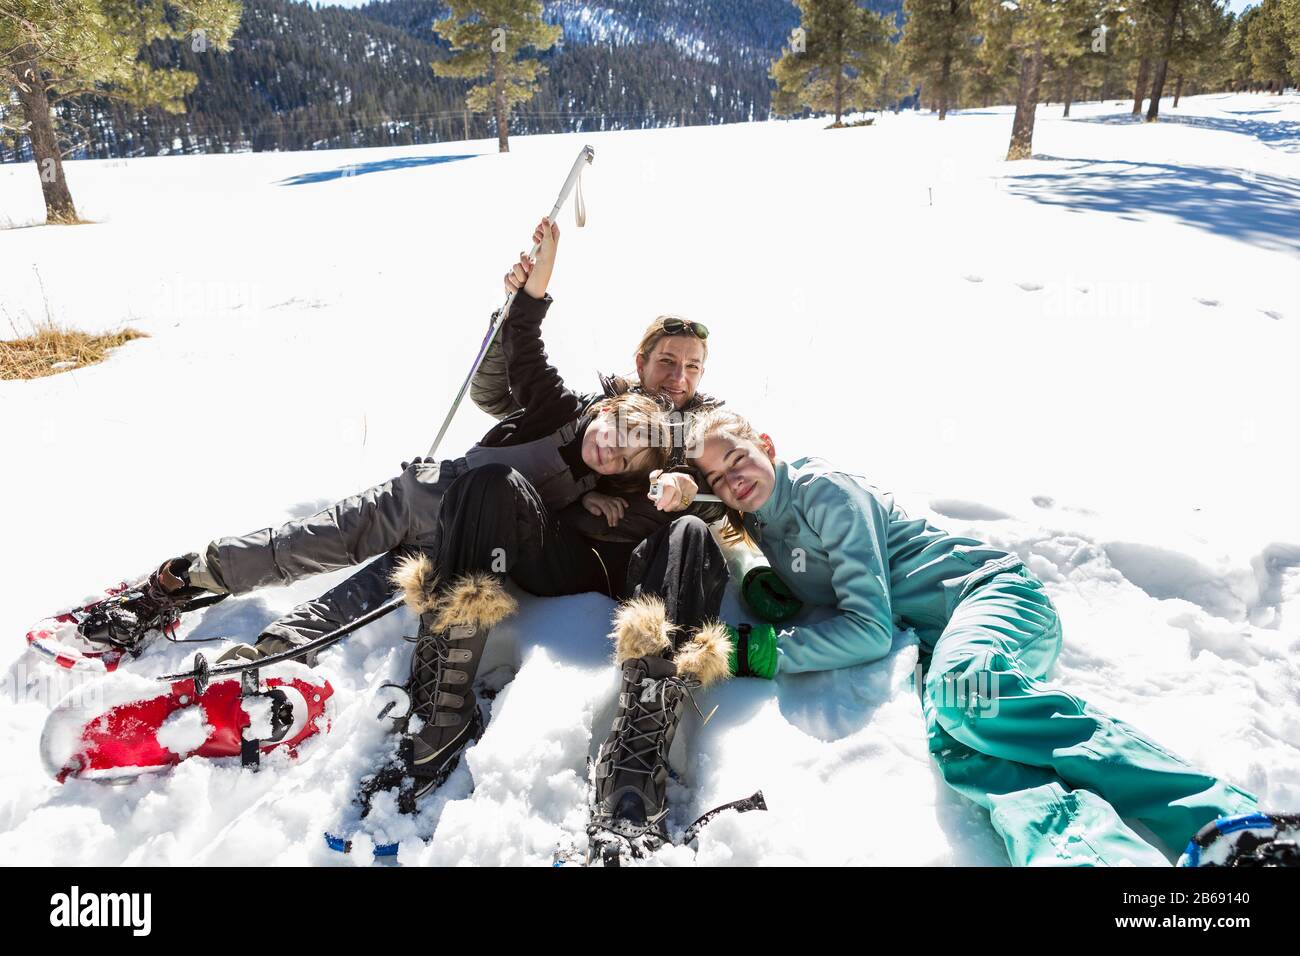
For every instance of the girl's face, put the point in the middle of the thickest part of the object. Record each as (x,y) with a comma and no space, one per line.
(607,452)
(739,471)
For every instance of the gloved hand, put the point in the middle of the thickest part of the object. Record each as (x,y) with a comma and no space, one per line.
(415,461)
(267,644)
(753,650)
(768,596)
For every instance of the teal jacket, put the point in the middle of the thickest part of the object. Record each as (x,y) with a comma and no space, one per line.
(842,544)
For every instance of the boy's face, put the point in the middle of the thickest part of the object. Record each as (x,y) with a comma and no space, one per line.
(608,449)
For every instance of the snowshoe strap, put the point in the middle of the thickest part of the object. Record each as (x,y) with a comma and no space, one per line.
(753,802)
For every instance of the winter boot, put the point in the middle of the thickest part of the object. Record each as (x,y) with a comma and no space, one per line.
(128,621)
(631,773)
(454,628)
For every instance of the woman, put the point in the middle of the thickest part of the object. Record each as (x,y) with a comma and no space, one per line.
(1056,774)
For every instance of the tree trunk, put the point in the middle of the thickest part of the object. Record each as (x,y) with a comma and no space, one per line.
(944,76)
(839,91)
(1162,67)
(1069,88)
(1140,88)
(30,86)
(1178,91)
(1022,128)
(499,104)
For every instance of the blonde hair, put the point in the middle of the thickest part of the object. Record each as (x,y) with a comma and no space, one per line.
(729,424)
(634,411)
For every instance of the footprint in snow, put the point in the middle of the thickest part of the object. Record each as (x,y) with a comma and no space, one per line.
(1029,286)
(1277,316)
(973,278)
(1212,303)
(1043,501)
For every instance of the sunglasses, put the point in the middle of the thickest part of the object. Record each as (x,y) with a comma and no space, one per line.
(678,326)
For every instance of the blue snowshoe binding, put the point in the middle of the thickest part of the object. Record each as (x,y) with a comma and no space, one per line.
(1247,839)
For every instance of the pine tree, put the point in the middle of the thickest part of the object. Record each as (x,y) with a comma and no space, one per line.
(834,60)
(1266,41)
(51,50)
(1034,30)
(938,47)
(486,39)
(1204,30)
(1083,37)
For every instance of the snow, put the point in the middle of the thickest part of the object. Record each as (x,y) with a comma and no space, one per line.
(185,730)
(895,298)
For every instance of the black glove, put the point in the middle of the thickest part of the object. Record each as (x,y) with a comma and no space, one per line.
(416,461)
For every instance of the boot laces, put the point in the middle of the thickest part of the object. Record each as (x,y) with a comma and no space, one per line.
(641,751)
(426,675)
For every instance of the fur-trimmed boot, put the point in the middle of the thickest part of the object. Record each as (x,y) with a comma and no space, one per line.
(631,773)
(454,626)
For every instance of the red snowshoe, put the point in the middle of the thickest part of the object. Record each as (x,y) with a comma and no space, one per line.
(123,726)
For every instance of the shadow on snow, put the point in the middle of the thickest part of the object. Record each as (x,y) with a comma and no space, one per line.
(1283,135)
(377,166)
(1249,206)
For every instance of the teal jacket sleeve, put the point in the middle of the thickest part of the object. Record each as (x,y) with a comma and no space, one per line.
(853,529)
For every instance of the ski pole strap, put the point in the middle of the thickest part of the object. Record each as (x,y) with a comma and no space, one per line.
(580,207)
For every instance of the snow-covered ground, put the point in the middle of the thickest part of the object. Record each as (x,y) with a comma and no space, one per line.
(1088,357)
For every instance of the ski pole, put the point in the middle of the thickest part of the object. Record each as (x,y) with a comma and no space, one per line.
(204,671)
(580,210)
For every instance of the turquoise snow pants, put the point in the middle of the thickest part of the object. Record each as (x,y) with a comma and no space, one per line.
(1057,776)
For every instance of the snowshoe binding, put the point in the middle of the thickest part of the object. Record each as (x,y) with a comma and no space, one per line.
(123,623)
(1247,839)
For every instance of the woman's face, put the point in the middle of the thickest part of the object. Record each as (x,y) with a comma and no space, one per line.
(738,471)
(673,368)
(607,452)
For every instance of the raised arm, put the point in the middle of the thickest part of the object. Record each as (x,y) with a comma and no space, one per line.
(490,387)
(854,530)
(535,384)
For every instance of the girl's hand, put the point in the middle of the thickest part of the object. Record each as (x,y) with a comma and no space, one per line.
(677,490)
(612,508)
(547,234)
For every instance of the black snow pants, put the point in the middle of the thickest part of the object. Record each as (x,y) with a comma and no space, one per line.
(486,519)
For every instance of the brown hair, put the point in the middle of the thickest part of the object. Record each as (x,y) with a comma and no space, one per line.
(634,411)
(723,421)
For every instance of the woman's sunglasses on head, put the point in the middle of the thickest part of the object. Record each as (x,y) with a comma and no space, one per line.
(679,326)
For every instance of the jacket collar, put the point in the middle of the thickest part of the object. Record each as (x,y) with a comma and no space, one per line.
(780,497)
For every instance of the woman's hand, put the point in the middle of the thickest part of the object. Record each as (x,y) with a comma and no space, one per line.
(536,277)
(612,508)
(677,491)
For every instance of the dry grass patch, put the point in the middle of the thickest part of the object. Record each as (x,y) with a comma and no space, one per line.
(52,349)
